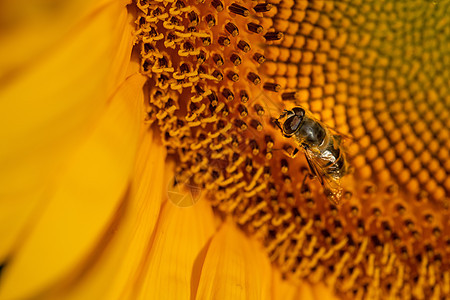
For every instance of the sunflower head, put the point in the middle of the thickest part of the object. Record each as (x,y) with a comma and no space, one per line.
(226,87)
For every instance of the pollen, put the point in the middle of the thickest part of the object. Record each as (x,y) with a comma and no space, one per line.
(376,74)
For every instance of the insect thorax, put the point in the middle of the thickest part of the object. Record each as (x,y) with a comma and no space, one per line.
(310,133)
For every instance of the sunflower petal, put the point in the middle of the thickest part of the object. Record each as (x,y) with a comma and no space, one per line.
(123,63)
(119,264)
(148,194)
(322,291)
(47,108)
(31,27)
(235,267)
(306,291)
(32,30)
(282,289)
(87,195)
(176,252)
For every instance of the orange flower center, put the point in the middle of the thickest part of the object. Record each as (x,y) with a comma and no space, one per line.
(220,71)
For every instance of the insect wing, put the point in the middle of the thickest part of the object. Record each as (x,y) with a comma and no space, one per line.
(333,189)
(341,135)
(313,165)
(331,184)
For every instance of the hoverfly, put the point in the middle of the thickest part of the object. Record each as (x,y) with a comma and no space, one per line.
(322,148)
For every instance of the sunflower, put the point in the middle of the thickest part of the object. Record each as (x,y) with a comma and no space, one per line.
(140,158)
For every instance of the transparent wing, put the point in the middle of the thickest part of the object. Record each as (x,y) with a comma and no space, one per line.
(330,182)
(341,135)
(333,131)
(316,170)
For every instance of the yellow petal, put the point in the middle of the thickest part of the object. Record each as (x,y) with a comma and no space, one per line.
(148,193)
(123,64)
(119,265)
(30,28)
(87,195)
(306,291)
(48,107)
(290,289)
(176,252)
(282,289)
(235,267)
(321,291)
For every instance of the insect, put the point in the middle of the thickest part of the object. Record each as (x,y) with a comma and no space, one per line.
(322,148)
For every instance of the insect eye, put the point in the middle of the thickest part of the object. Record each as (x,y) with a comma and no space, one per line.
(300,112)
(291,125)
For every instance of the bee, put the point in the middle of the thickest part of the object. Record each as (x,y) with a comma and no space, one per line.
(322,148)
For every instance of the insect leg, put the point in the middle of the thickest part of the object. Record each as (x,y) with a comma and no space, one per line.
(285,112)
(288,153)
(304,187)
(277,123)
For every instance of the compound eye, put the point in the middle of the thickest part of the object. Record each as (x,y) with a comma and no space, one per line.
(291,125)
(300,112)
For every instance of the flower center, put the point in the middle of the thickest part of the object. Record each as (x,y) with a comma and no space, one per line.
(220,71)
